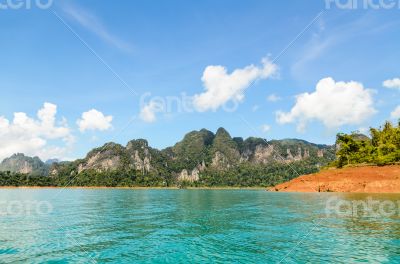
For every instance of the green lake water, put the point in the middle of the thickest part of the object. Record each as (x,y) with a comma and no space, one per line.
(189,226)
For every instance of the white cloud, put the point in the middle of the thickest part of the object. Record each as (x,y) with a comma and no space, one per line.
(392,84)
(332,103)
(273,98)
(396,113)
(221,87)
(148,112)
(265,128)
(94,25)
(94,120)
(30,136)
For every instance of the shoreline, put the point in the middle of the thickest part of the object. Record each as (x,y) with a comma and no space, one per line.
(267,189)
(133,188)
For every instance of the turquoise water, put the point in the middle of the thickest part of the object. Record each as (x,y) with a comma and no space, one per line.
(188,226)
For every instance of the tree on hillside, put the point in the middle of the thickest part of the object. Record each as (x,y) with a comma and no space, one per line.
(381,149)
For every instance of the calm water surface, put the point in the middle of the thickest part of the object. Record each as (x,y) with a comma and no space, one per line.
(190,226)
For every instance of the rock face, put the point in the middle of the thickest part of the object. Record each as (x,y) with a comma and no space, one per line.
(219,161)
(22,164)
(306,154)
(289,155)
(140,156)
(140,164)
(263,154)
(111,157)
(194,176)
(107,158)
(184,176)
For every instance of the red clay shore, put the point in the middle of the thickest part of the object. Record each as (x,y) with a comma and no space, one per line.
(366,179)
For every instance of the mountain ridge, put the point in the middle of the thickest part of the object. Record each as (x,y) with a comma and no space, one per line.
(198,153)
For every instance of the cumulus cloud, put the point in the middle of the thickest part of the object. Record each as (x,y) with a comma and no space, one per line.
(94,120)
(392,84)
(273,98)
(332,103)
(30,136)
(396,113)
(222,87)
(148,112)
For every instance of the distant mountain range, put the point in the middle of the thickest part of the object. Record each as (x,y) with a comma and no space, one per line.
(186,160)
(23,164)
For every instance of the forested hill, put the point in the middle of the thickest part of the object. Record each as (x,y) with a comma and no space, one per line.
(382,148)
(201,158)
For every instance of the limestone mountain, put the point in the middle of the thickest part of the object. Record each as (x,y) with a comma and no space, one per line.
(193,149)
(225,151)
(199,152)
(22,164)
(137,155)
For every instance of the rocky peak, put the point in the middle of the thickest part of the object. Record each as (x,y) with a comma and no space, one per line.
(196,150)
(224,146)
(222,135)
(193,148)
(22,164)
(137,144)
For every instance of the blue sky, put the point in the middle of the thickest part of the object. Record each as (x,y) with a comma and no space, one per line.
(87,57)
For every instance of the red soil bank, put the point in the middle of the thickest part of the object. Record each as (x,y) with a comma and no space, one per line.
(368,179)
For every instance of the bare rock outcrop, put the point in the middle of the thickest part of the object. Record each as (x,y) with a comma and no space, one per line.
(289,155)
(100,163)
(263,154)
(220,161)
(306,154)
(184,176)
(140,156)
(298,156)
